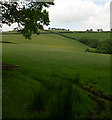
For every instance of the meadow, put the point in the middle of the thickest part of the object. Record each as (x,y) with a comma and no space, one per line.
(55,77)
(94,35)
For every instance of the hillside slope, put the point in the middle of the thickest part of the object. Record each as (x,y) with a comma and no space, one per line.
(49,59)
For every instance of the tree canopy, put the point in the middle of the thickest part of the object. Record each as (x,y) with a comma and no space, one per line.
(30,17)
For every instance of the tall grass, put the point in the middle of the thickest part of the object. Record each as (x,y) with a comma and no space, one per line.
(37,58)
(39,100)
(59,102)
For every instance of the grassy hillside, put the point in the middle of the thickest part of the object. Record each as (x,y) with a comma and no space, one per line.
(100,36)
(41,86)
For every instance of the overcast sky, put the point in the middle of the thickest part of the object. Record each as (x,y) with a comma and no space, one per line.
(79,14)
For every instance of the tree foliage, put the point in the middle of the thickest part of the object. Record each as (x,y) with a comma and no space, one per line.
(30,17)
(101,46)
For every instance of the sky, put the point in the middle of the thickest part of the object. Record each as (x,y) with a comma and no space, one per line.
(78,15)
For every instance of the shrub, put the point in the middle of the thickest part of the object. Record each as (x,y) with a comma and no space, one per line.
(84,40)
(105,47)
(93,43)
(90,42)
(101,47)
(87,50)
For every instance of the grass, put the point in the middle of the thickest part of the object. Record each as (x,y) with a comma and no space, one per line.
(46,64)
(100,36)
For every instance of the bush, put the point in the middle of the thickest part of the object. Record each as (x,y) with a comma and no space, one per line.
(90,42)
(84,40)
(105,47)
(101,47)
(94,43)
(87,50)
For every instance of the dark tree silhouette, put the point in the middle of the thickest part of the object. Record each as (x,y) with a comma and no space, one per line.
(30,17)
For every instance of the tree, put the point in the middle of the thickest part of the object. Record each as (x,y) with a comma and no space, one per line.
(91,30)
(30,17)
(100,30)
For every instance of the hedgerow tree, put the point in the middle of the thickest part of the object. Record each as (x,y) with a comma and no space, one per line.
(30,17)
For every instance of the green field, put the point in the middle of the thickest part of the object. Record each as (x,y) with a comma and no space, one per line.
(99,35)
(41,86)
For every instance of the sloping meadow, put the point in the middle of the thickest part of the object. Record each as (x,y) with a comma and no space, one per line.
(51,77)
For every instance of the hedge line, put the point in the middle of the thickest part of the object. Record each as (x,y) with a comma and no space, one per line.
(100,46)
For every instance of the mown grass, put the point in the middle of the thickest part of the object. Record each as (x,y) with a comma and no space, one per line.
(41,86)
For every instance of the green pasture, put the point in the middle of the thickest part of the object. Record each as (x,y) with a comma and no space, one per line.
(50,60)
(98,35)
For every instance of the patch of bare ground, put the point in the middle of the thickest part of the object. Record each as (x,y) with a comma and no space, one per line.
(7,42)
(99,98)
(7,67)
(98,109)
(93,91)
